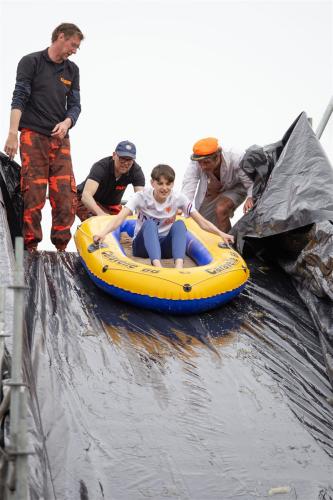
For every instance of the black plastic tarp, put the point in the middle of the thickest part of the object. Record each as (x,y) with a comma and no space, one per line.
(129,404)
(292,221)
(293,181)
(10,174)
(134,405)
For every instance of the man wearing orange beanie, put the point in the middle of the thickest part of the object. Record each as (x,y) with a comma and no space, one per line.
(216,183)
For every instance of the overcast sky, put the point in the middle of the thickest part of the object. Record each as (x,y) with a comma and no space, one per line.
(163,74)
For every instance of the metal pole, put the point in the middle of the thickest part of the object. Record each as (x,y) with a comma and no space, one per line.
(4,403)
(2,329)
(325,118)
(18,479)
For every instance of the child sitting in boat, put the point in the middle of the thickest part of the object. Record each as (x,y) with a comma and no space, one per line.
(157,233)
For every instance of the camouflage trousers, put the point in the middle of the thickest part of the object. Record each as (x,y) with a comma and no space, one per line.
(46,161)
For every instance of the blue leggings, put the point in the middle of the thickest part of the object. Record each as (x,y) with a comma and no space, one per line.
(148,244)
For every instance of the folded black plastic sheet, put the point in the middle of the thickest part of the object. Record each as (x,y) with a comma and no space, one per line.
(10,174)
(292,219)
(136,405)
(293,181)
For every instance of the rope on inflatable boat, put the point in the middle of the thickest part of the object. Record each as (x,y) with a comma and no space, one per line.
(106,267)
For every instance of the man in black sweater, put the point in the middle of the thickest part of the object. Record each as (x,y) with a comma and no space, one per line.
(45,105)
(102,191)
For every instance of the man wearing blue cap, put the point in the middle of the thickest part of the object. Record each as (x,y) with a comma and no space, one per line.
(103,189)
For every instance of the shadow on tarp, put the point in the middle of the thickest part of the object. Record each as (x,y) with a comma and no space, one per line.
(292,221)
(133,404)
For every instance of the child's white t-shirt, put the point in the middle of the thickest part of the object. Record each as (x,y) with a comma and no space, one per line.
(164,214)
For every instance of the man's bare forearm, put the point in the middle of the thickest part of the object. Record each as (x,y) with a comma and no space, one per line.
(91,204)
(11,145)
(15,117)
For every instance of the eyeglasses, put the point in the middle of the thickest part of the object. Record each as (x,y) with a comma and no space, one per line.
(123,160)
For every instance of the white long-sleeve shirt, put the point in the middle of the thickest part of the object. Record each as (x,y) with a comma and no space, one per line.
(195,181)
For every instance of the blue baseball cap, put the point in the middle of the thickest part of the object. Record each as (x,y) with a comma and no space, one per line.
(126,149)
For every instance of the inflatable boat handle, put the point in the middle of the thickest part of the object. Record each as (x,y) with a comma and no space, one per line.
(222,244)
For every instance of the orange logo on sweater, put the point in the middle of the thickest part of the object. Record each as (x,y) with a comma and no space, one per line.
(168,209)
(66,82)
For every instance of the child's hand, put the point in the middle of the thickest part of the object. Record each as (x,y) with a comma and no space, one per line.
(98,239)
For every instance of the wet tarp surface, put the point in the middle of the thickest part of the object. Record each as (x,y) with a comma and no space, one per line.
(132,405)
(128,404)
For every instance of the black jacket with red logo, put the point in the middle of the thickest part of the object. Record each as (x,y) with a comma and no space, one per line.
(110,189)
(46,92)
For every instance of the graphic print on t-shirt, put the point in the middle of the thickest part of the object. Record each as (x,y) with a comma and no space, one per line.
(164,214)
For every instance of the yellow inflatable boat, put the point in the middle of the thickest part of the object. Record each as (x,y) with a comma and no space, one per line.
(218,276)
